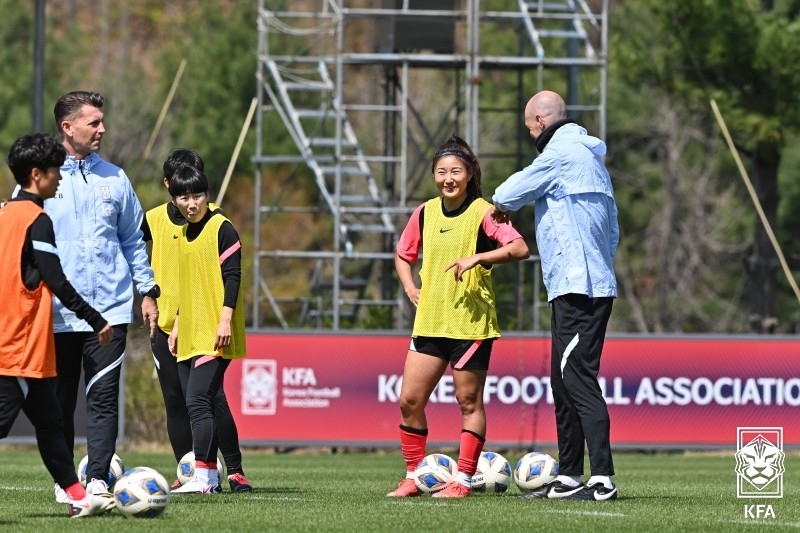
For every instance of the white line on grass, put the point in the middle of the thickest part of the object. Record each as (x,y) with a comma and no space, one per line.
(755,522)
(280,499)
(432,502)
(586,513)
(428,502)
(27,489)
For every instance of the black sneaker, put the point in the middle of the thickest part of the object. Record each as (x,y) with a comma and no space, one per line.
(554,491)
(239,483)
(595,492)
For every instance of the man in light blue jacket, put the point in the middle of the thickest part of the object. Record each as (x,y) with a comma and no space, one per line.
(97,219)
(577,236)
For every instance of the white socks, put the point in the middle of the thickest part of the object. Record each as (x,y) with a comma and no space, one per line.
(464,479)
(202,475)
(574,481)
(569,481)
(604,480)
(207,476)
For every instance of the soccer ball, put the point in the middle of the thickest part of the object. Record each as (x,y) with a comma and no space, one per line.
(141,492)
(186,468)
(534,470)
(115,470)
(493,473)
(434,471)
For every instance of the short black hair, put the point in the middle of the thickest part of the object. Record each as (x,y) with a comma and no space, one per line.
(34,150)
(179,158)
(187,180)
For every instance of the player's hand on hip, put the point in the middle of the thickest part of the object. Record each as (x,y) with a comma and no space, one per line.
(413,296)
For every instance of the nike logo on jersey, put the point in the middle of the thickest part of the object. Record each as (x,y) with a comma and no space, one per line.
(442,230)
(174,236)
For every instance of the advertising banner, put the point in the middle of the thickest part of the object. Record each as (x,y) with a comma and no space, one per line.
(673,392)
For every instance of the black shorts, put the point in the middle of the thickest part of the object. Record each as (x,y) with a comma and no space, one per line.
(461,354)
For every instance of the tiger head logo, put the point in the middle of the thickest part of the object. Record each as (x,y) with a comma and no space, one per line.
(760,462)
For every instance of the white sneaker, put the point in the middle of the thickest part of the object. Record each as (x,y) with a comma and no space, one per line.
(195,486)
(98,487)
(61,496)
(90,505)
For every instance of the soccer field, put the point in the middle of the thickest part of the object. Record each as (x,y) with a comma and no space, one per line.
(346,492)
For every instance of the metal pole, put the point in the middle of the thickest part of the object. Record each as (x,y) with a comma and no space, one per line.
(38,64)
(257,247)
(164,109)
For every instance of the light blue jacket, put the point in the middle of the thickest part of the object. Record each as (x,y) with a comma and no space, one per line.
(576,216)
(98,219)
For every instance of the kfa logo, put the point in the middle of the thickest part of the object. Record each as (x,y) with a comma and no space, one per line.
(759,511)
(259,387)
(759,463)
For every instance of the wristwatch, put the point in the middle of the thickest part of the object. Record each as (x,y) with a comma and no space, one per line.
(155,292)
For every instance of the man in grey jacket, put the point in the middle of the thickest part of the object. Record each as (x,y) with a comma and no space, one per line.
(97,219)
(577,236)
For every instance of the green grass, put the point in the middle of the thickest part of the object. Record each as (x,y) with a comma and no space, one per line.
(346,492)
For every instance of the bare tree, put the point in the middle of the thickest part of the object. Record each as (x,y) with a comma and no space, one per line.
(682,271)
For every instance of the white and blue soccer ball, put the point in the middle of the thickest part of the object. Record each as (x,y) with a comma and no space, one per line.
(185,470)
(534,470)
(434,471)
(141,492)
(115,470)
(493,473)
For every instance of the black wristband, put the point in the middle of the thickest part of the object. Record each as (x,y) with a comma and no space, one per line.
(155,292)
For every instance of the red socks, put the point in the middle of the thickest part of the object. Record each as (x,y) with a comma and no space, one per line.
(75,491)
(211,465)
(412,443)
(469,452)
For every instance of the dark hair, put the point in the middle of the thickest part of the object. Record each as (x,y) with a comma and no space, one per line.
(179,158)
(71,103)
(34,150)
(458,147)
(187,180)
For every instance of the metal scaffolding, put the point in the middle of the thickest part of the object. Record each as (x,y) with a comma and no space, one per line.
(353,96)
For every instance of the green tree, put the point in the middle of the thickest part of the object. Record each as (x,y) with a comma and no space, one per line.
(218,85)
(743,54)
(16,56)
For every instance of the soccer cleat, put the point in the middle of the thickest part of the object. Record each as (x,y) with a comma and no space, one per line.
(554,491)
(175,484)
(595,492)
(98,487)
(90,505)
(61,496)
(239,483)
(195,486)
(405,489)
(453,489)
